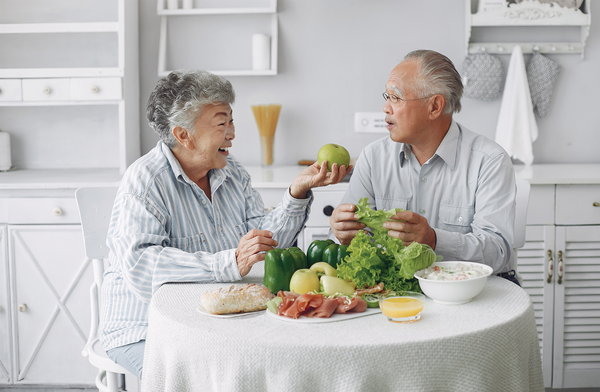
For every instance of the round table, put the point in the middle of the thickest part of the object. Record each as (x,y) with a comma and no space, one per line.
(488,344)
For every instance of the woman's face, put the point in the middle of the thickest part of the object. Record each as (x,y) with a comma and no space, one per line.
(213,133)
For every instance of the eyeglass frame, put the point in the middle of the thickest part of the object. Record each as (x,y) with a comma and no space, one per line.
(387,96)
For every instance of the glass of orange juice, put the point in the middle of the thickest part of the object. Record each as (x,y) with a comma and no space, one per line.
(404,307)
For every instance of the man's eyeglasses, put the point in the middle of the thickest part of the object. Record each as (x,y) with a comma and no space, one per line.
(394,98)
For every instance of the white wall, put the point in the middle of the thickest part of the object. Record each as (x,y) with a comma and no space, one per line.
(334,59)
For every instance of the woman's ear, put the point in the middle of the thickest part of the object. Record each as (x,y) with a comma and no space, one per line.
(436,106)
(182,136)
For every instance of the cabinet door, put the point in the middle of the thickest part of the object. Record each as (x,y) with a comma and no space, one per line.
(52,278)
(577,308)
(534,265)
(5,341)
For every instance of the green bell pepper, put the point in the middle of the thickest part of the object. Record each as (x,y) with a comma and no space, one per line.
(314,254)
(299,257)
(334,254)
(279,267)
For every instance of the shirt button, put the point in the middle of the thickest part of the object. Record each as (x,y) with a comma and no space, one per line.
(421,211)
(220,230)
(424,179)
(460,218)
(203,201)
(304,207)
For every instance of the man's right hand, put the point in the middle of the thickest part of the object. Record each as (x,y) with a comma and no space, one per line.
(250,247)
(344,223)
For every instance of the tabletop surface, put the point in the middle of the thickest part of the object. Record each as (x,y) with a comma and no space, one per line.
(491,340)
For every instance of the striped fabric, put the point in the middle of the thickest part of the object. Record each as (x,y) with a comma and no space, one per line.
(164,229)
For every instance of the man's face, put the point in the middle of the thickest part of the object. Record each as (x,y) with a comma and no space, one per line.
(407,120)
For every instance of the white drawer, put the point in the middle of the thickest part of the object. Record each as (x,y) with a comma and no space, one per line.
(91,89)
(10,90)
(46,89)
(42,210)
(322,206)
(540,210)
(578,204)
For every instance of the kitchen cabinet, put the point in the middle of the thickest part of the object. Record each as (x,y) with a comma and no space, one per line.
(44,278)
(532,15)
(72,71)
(560,265)
(249,19)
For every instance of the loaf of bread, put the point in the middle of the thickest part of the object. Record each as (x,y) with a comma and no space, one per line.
(239,298)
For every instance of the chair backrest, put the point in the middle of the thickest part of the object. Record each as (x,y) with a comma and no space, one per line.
(95,207)
(522,201)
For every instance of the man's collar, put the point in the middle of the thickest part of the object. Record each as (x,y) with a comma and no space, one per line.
(447,149)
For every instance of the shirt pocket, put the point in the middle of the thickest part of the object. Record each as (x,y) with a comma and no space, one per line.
(456,219)
(193,244)
(387,203)
(240,229)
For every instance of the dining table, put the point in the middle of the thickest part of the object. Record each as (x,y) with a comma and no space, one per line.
(488,344)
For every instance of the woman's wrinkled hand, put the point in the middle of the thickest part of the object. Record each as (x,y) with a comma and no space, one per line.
(252,248)
(315,176)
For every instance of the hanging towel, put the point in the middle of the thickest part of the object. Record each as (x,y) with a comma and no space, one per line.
(483,76)
(517,129)
(541,74)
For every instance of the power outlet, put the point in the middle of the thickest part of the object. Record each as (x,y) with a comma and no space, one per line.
(370,122)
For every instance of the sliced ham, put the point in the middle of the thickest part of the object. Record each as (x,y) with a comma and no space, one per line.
(357,305)
(298,304)
(288,298)
(326,309)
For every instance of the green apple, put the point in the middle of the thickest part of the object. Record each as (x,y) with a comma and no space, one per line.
(304,280)
(334,153)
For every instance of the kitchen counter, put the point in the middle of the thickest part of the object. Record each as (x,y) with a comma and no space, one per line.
(550,174)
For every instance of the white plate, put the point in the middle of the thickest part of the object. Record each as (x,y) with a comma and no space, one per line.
(334,317)
(229,315)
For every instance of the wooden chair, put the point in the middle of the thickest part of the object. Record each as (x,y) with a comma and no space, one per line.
(95,207)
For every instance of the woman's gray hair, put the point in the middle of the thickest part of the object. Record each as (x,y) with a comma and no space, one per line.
(437,76)
(178,100)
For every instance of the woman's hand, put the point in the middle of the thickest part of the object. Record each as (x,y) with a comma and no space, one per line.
(251,249)
(315,176)
(344,223)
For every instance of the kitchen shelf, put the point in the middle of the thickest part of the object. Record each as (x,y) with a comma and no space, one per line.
(165,13)
(104,73)
(529,13)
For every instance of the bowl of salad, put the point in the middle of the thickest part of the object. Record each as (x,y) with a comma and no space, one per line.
(453,282)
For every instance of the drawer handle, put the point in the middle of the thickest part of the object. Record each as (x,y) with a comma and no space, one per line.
(328,210)
(550,266)
(47,90)
(58,211)
(22,308)
(560,267)
(95,89)
(596,204)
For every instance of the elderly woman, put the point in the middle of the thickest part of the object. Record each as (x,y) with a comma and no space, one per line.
(187,212)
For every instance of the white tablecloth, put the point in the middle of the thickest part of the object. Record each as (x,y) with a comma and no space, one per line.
(489,344)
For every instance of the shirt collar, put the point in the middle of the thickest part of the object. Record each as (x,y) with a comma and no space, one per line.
(447,150)
(216,176)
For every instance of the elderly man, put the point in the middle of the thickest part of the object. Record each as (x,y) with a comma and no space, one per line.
(458,187)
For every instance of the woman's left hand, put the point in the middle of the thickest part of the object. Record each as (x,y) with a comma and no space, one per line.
(315,176)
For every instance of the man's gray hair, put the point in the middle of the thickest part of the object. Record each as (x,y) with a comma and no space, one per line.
(437,76)
(179,99)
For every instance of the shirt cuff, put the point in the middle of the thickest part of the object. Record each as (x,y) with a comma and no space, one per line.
(225,266)
(294,206)
(447,244)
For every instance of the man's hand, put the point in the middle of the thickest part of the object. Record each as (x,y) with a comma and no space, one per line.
(344,223)
(250,247)
(316,176)
(411,227)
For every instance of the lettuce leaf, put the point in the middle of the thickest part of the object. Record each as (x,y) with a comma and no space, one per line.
(373,218)
(413,258)
(362,265)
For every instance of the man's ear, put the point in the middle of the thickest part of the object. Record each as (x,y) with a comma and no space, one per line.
(436,106)
(182,136)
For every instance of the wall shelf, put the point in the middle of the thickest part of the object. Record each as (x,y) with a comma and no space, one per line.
(165,13)
(529,13)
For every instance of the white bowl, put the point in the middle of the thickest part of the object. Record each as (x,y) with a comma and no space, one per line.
(453,292)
